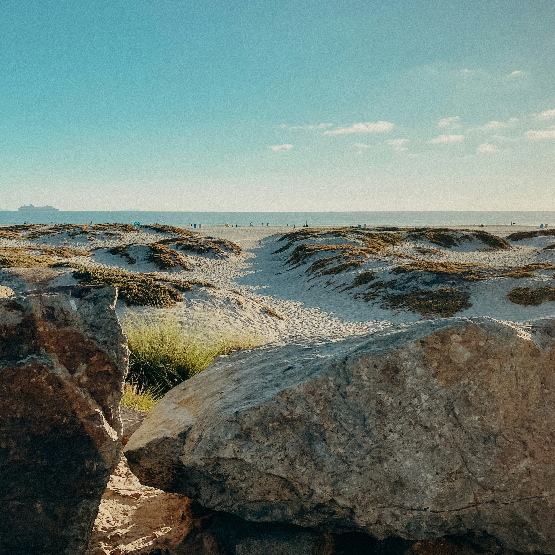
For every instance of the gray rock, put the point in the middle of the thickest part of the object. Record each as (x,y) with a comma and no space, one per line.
(442,428)
(62,364)
(131,420)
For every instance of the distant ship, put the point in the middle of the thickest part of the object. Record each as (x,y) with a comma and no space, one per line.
(32,208)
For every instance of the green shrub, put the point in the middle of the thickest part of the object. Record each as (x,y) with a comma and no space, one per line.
(163,354)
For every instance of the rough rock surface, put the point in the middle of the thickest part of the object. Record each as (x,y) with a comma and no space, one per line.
(442,428)
(62,364)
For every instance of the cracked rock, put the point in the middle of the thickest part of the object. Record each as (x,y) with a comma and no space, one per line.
(442,428)
(62,364)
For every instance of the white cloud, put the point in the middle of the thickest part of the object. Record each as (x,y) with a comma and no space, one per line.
(466,71)
(486,148)
(310,126)
(447,139)
(368,127)
(536,135)
(515,74)
(362,145)
(398,144)
(451,122)
(547,114)
(494,125)
(277,148)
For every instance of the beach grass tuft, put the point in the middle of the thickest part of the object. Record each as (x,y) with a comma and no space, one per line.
(143,400)
(163,354)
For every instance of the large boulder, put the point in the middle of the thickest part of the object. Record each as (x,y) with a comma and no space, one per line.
(63,359)
(440,428)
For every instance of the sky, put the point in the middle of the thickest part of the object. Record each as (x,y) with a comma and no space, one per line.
(280,105)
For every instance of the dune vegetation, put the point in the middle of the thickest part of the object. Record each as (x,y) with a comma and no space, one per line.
(163,354)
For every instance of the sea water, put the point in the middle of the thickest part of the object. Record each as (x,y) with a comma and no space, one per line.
(284,218)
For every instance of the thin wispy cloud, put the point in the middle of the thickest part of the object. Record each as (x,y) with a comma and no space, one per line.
(398,144)
(535,135)
(441,139)
(486,148)
(309,127)
(515,74)
(362,145)
(452,122)
(367,127)
(277,148)
(547,114)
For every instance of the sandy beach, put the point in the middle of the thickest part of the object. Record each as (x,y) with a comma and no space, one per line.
(261,291)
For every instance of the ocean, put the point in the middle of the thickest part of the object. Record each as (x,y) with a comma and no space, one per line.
(285,218)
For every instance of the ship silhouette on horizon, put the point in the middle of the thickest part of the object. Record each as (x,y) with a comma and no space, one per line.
(32,208)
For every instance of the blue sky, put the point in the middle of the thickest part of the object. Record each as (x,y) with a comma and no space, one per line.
(278,105)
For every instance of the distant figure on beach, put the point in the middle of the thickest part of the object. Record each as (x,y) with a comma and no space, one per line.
(250,224)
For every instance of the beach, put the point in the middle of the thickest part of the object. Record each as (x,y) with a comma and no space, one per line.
(259,290)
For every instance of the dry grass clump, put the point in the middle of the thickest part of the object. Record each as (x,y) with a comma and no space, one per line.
(362,279)
(531,297)
(138,289)
(443,237)
(163,354)
(467,271)
(35,256)
(60,252)
(472,272)
(15,231)
(138,400)
(202,245)
(48,231)
(19,258)
(494,242)
(449,238)
(375,290)
(378,242)
(165,258)
(347,252)
(134,289)
(161,228)
(343,267)
(125,228)
(375,241)
(521,235)
(444,302)
(123,252)
(527,270)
